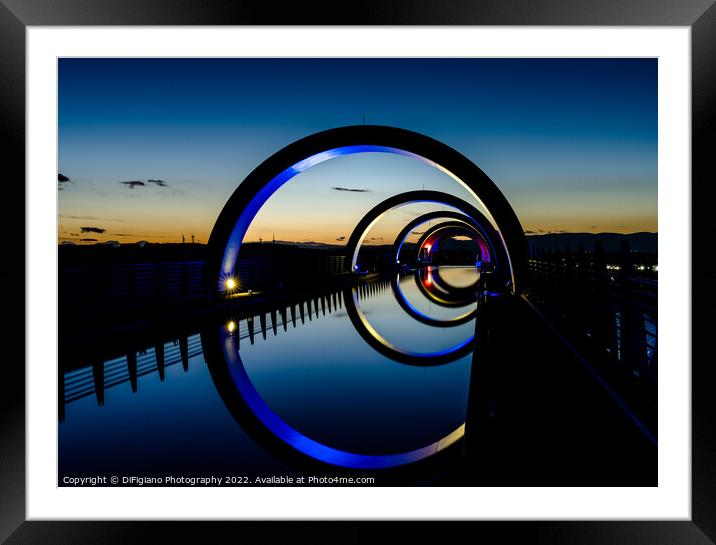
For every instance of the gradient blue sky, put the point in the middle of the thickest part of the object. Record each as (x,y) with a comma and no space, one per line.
(572,143)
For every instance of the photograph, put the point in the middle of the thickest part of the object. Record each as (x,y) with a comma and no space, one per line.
(336,275)
(357,271)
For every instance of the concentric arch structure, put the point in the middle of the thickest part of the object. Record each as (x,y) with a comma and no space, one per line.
(435,235)
(422,220)
(475,218)
(248,198)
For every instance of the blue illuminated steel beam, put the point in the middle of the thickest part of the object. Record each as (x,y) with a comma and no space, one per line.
(248,198)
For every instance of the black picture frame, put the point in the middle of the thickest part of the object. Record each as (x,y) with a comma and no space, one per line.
(16,15)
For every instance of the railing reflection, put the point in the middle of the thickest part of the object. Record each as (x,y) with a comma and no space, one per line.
(97,377)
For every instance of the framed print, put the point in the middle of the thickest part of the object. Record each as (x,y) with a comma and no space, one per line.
(401,267)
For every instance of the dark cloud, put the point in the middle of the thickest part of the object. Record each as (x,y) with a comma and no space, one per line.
(132,184)
(92,230)
(376,238)
(88,240)
(351,189)
(341,238)
(528,232)
(62,178)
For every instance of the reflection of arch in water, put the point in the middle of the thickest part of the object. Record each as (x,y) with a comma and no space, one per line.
(430,240)
(488,233)
(422,220)
(415,313)
(383,346)
(248,198)
(438,291)
(466,292)
(258,419)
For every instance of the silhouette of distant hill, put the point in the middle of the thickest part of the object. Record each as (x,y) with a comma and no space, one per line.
(304,244)
(640,242)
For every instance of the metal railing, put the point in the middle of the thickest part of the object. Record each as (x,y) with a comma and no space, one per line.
(614,313)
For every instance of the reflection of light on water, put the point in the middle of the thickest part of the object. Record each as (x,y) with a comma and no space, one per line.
(650,336)
(354,407)
(352,401)
(459,277)
(356,399)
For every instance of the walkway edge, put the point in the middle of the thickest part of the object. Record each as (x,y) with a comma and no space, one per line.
(618,400)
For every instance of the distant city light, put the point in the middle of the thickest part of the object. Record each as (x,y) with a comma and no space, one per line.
(231,326)
(230,283)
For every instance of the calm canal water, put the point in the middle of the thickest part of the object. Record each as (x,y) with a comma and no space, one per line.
(364,378)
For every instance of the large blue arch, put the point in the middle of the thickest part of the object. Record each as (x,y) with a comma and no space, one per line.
(243,205)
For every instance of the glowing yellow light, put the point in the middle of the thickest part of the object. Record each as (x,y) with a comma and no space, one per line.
(231,326)
(230,283)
